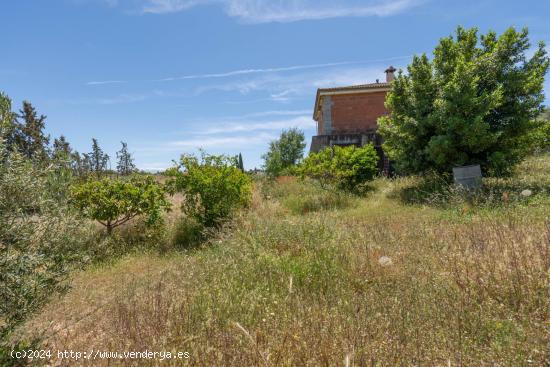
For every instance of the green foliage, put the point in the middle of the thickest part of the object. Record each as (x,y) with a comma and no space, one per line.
(39,239)
(125,165)
(96,161)
(474,103)
(541,134)
(7,123)
(30,138)
(347,168)
(213,187)
(26,137)
(61,148)
(113,202)
(240,164)
(285,152)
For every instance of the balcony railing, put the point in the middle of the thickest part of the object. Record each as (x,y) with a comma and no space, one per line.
(359,139)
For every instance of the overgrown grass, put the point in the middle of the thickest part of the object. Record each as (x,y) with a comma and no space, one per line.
(302,197)
(376,282)
(496,194)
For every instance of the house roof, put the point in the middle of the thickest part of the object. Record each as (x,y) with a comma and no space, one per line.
(360,88)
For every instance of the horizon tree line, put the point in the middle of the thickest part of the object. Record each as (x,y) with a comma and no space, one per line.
(24,132)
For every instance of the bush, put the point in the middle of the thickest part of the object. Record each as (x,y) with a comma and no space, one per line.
(347,168)
(113,202)
(541,136)
(39,239)
(213,187)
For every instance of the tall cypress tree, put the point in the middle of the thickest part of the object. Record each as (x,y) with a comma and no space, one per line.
(31,140)
(125,165)
(241,166)
(97,159)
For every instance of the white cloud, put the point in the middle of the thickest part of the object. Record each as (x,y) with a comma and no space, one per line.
(123,98)
(171,6)
(222,141)
(277,113)
(286,87)
(249,72)
(255,71)
(105,82)
(264,11)
(302,122)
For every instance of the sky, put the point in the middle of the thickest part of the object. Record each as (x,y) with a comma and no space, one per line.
(171,76)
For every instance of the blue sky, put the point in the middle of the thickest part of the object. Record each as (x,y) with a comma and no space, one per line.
(168,76)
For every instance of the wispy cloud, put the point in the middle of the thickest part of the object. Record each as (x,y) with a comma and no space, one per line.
(106,82)
(264,11)
(257,71)
(285,88)
(123,98)
(302,122)
(222,141)
(276,113)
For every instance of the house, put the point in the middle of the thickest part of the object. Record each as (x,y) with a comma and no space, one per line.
(347,116)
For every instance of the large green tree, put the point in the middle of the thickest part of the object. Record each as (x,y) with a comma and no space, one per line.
(284,152)
(475,102)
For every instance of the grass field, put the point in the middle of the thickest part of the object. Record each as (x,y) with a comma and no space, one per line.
(406,275)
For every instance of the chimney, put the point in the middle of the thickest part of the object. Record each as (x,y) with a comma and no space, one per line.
(390,76)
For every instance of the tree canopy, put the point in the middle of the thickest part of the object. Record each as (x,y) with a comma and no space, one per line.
(284,152)
(475,102)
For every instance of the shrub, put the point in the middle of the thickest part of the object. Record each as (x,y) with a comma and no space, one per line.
(113,202)
(347,168)
(541,136)
(39,239)
(213,187)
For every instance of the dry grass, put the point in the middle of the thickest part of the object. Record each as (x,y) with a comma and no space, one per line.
(279,287)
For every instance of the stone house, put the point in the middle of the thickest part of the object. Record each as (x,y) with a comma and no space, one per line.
(347,116)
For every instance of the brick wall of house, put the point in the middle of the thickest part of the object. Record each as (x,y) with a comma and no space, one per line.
(356,112)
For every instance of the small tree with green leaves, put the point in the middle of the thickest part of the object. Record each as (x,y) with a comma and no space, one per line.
(113,202)
(475,102)
(285,152)
(125,165)
(213,186)
(347,168)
